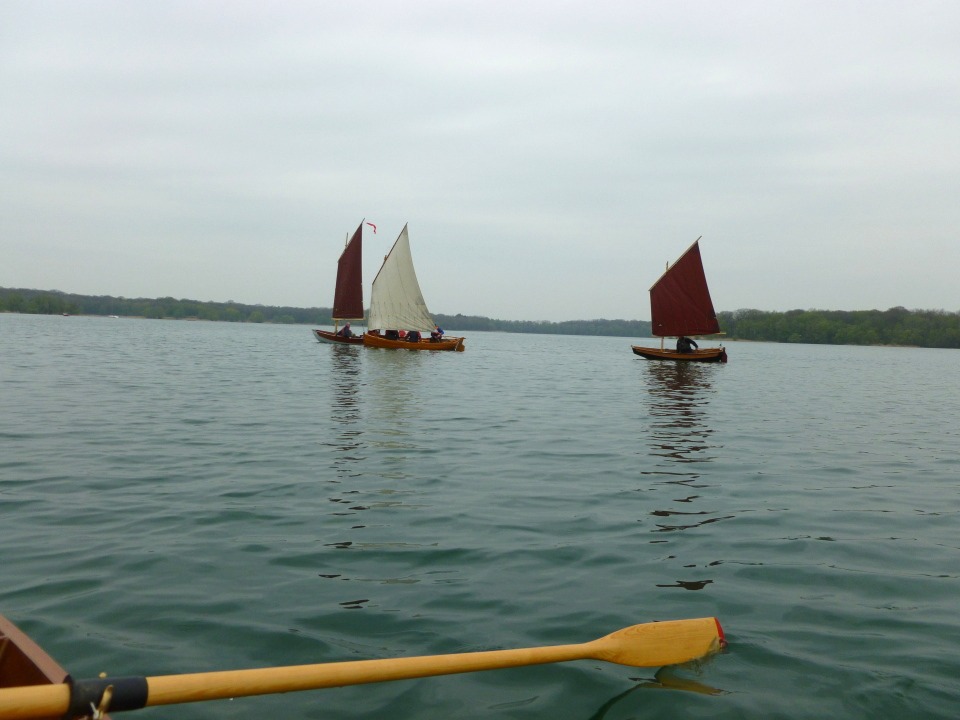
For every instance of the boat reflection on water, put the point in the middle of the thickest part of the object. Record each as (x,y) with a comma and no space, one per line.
(375,453)
(346,429)
(679,395)
(394,401)
(681,441)
(371,418)
(345,406)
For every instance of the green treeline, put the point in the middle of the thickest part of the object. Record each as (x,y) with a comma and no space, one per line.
(616,328)
(56,303)
(896,326)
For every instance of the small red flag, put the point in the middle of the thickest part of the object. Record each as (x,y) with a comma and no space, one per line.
(374,227)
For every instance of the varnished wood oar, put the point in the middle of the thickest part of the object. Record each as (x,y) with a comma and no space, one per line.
(646,645)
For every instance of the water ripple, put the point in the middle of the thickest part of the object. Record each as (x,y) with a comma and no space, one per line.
(182,497)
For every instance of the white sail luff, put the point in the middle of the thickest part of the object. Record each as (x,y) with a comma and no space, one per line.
(396,302)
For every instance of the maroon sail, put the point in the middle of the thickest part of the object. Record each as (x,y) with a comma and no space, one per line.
(348,296)
(680,302)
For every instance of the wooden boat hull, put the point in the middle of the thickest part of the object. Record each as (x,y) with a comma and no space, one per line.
(714,355)
(378,341)
(24,663)
(329,337)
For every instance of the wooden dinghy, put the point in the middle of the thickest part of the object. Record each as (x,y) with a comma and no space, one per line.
(23,663)
(446,343)
(702,355)
(396,304)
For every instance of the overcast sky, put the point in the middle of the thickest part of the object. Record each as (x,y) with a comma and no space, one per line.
(550,157)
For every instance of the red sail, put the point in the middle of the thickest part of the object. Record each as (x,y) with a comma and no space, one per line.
(348,297)
(680,301)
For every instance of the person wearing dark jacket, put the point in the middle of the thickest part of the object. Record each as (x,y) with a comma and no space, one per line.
(685,344)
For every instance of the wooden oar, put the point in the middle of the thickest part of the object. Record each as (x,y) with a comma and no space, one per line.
(646,645)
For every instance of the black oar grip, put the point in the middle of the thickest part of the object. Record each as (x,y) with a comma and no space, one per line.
(129,693)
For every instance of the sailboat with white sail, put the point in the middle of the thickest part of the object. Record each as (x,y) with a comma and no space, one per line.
(397,306)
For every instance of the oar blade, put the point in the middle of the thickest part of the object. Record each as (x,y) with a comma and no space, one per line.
(662,643)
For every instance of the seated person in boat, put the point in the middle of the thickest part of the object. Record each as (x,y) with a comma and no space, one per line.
(413,336)
(345,331)
(392,335)
(436,333)
(685,344)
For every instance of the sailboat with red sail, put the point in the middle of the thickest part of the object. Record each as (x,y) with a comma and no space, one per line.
(348,295)
(680,306)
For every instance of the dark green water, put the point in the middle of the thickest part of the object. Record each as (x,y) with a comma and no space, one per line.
(182,497)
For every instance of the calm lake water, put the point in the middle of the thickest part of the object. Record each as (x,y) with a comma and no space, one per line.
(191,496)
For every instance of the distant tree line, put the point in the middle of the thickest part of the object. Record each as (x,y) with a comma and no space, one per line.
(896,326)
(56,303)
(616,328)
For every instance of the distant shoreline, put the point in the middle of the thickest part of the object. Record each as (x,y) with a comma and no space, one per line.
(895,327)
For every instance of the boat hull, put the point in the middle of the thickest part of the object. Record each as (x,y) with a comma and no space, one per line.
(329,337)
(23,663)
(378,341)
(710,355)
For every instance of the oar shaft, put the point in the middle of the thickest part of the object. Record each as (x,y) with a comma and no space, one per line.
(44,701)
(35,701)
(164,690)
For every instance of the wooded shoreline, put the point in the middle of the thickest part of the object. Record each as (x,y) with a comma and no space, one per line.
(897,326)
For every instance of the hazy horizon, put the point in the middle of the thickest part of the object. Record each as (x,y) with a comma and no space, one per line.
(551,157)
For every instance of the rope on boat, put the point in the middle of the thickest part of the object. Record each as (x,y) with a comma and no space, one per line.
(101,710)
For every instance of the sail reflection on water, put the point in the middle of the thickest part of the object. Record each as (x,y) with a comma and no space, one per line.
(681,439)
(345,410)
(374,453)
(394,402)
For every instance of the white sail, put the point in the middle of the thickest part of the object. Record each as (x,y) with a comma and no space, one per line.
(396,302)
